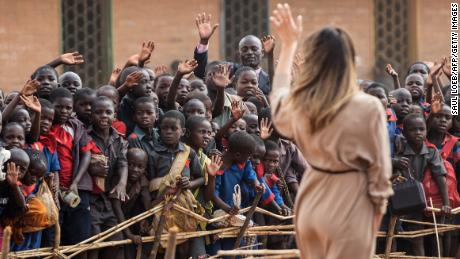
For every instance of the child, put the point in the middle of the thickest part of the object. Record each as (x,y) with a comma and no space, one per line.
(109,143)
(245,82)
(417,157)
(71,81)
(252,109)
(199,86)
(194,107)
(73,147)
(112,93)
(137,189)
(82,99)
(162,85)
(252,124)
(179,87)
(414,84)
(237,170)
(235,124)
(420,68)
(205,100)
(13,135)
(2,100)
(47,77)
(401,107)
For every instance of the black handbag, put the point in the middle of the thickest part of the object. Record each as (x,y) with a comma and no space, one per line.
(408,198)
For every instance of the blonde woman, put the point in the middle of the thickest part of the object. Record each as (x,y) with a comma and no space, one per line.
(342,133)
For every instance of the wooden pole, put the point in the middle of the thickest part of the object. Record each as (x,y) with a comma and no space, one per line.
(390,236)
(6,242)
(171,247)
(435,229)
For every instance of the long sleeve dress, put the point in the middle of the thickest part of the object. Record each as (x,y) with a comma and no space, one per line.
(347,182)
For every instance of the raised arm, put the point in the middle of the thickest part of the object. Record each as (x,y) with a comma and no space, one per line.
(114,76)
(73,58)
(221,79)
(131,81)
(237,113)
(205,31)
(146,52)
(29,89)
(33,104)
(394,75)
(184,68)
(269,45)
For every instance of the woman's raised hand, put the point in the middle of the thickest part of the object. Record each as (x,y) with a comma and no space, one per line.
(288,29)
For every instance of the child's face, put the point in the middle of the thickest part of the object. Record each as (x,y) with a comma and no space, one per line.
(252,125)
(162,87)
(151,77)
(182,91)
(82,107)
(201,135)
(251,108)
(379,93)
(23,162)
(271,161)
(23,117)
(46,120)
(10,97)
(242,157)
(143,88)
(71,81)
(419,69)
(14,136)
(198,85)
(402,105)
(63,108)
(414,83)
(239,125)
(103,114)
(250,52)
(258,156)
(145,115)
(36,171)
(137,165)
(208,106)
(215,129)
(155,99)
(171,131)
(112,95)
(194,108)
(415,131)
(48,82)
(246,84)
(440,121)
(414,108)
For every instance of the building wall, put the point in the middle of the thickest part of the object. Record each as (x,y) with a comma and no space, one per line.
(29,37)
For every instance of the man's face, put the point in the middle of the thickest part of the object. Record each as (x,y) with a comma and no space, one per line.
(250,49)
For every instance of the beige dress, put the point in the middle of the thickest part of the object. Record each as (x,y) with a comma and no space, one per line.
(335,210)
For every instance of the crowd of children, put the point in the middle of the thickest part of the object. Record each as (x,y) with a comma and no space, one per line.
(89,158)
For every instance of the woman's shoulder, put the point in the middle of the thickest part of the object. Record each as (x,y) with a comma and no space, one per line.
(365,103)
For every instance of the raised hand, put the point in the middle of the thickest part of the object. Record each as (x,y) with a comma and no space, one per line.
(221,77)
(237,111)
(187,67)
(160,70)
(205,30)
(269,43)
(146,51)
(288,30)
(30,87)
(133,60)
(266,129)
(12,174)
(133,79)
(391,71)
(32,103)
(74,58)
(446,68)
(213,167)
(114,76)
(436,102)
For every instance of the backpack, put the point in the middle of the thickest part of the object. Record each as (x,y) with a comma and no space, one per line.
(429,183)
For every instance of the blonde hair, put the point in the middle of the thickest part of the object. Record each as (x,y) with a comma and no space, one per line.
(327,77)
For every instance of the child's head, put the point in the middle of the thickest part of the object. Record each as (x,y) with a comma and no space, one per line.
(14,135)
(22,116)
(272,157)
(259,151)
(251,108)
(71,81)
(245,82)
(439,122)
(194,107)
(109,92)
(215,128)
(403,101)
(48,78)
(415,108)
(198,132)
(143,88)
(257,103)
(62,101)
(182,91)
(172,127)
(211,68)
(419,68)
(145,113)
(241,147)
(137,163)
(10,96)
(205,100)
(252,124)
(46,116)
(102,113)
(162,84)
(380,91)
(414,129)
(21,159)
(239,125)
(38,167)
(414,83)
(198,85)
(83,99)
(151,77)
(250,49)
